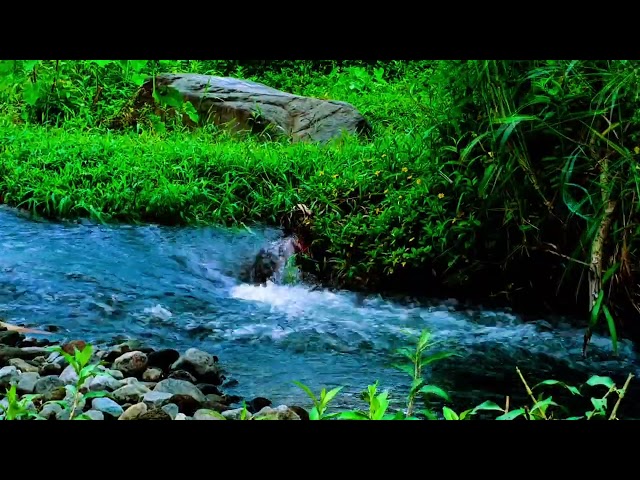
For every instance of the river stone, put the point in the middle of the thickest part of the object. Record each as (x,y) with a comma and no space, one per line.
(38,361)
(183,375)
(152,375)
(163,359)
(236,414)
(155,414)
(156,399)
(69,375)
(130,393)
(23,366)
(70,397)
(133,412)
(246,105)
(180,387)
(50,369)
(27,382)
(131,363)
(108,406)
(186,403)
(281,412)
(28,353)
(200,364)
(50,410)
(71,346)
(11,338)
(117,374)
(207,388)
(8,375)
(94,414)
(104,383)
(172,409)
(206,414)
(258,404)
(301,412)
(181,416)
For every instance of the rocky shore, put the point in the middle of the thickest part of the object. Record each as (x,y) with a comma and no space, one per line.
(43,381)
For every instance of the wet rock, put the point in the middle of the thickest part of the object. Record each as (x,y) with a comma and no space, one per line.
(155,414)
(206,414)
(50,410)
(236,414)
(28,353)
(38,361)
(181,416)
(281,412)
(133,412)
(69,376)
(163,359)
(23,366)
(258,404)
(104,383)
(212,397)
(57,393)
(186,403)
(94,414)
(11,338)
(51,328)
(65,414)
(200,364)
(27,382)
(70,397)
(152,375)
(50,369)
(172,409)
(301,412)
(231,399)
(207,389)
(117,374)
(8,375)
(216,406)
(230,383)
(180,387)
(244,105)
(70,347)
(131,363)
(156,399)
(108,406)
(183,375)
(130,393)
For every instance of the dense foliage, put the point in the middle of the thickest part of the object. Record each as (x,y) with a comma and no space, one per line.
(513,180)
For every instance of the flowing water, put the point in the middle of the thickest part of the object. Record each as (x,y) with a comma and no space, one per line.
(178,288)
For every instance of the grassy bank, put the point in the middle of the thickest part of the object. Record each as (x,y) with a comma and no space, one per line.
(514,181)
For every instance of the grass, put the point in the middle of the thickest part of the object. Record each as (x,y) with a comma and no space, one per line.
(515,181)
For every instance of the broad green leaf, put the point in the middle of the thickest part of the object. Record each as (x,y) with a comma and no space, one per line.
(437,356)
(574,418)
(416,383)
(449,414)
(572,389)
(84,356)
(97,394)
(466,413)
(599,403)
(139,78)
(598,380)
(314,414)
(406,352)
(433,390)
(29,65)
(191,112)
(353,415)
(612,328)
(331,394)
(138,65)
(308,391)
(488,405)
(102,63)
(31,93)
(542,405)
(513,414)
(406,368)
(595,313)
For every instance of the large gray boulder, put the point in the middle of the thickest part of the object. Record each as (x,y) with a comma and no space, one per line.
(245,105)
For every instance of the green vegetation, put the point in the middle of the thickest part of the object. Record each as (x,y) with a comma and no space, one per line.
(514,180)
(543,407)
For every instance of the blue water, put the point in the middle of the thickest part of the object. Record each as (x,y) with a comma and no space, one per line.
(178,288)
